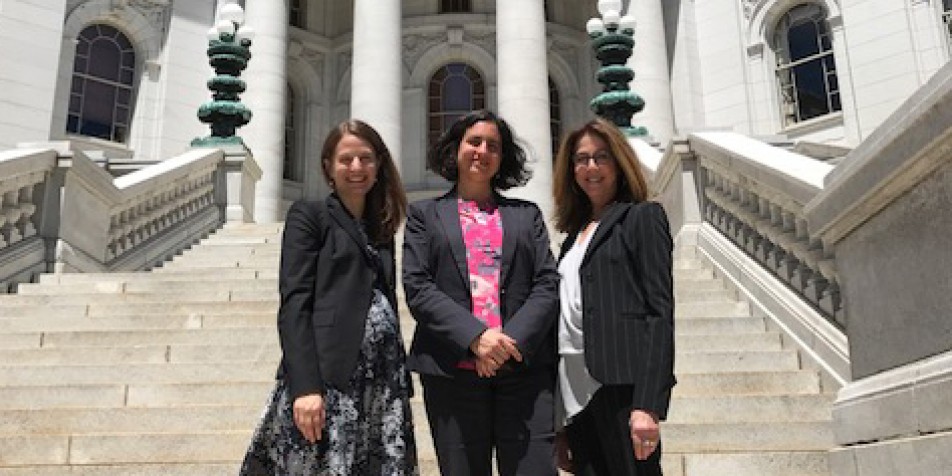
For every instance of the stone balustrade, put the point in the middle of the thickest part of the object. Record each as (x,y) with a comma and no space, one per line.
(62,212)
(23,173)
(755,194)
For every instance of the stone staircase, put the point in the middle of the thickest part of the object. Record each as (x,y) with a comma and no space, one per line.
(166,372)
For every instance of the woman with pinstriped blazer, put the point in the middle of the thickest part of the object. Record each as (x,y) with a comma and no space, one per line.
(616,323)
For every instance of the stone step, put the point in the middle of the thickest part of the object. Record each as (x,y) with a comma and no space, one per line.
(199,469)
(760,463)
(74,421)
(788,382)
(750,408)
(726,362)
(62,396)
(202,275)
(728,342)
(229,446)
(747,437)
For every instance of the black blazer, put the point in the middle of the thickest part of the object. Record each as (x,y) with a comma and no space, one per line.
(436,282)
(628,303)
(326,280)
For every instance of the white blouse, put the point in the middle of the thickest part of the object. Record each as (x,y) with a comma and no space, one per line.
(576,386)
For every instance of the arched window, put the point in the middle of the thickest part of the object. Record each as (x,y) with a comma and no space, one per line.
(297,13)
(100,97)
(455,6)
(947,21)
(555,116)
(291,169)
(455,90)
(806,71)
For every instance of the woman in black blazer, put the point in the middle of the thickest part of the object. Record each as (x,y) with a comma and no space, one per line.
(480,281)
(341,402)
(616,325)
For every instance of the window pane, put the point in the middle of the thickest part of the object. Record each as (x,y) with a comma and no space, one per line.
(811,90)
(104,60)
(803,41)
(457,94)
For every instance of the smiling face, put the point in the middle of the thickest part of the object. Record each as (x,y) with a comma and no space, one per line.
(352,167)
(596,171)
(479,155)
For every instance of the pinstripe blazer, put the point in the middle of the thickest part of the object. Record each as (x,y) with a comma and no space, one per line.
(628,303)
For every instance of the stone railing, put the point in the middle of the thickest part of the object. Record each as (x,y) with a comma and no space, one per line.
(739,203)
(23,176)
(62,212)
(755,194)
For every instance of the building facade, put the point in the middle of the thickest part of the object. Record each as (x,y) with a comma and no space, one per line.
(125,77)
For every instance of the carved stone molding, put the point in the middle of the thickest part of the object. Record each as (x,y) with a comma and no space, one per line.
(750,6)
(565,50)
(416,44)
(484,39)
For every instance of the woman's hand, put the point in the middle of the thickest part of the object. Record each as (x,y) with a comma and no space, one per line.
(563,457)
(309,416)
(493,348)
(644,433)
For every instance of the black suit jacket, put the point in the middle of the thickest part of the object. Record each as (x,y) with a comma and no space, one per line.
(436,282)
(628,303)
(326,280)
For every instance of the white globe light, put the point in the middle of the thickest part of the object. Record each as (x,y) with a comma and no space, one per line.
(225,27)
(605,6)
(627,22)
(232,12)
(246,33)
(611,18)
(595,25)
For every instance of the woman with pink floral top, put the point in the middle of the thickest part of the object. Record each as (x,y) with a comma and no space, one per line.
(481,282)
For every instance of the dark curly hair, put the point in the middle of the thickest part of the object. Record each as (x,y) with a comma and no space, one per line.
(441,157)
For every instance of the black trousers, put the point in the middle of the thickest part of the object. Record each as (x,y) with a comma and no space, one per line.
(512,413)
(600,439)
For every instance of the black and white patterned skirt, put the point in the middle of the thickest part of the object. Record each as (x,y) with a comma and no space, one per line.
(368,428)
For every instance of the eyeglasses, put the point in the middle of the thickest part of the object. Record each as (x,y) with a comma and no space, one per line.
(601,157)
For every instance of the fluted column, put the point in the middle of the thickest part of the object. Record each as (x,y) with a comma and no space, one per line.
(376,87)
(266,78)
(523,90)
(650,63)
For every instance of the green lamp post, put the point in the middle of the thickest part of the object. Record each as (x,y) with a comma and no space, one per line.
(228,54)
(613,42)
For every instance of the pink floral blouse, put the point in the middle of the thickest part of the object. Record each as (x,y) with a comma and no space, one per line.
(482,236)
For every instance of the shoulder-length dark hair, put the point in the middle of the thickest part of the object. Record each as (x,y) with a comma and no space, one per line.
(386,201)
(441,157)
(572,207)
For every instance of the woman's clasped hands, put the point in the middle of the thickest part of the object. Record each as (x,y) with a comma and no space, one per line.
(492,349)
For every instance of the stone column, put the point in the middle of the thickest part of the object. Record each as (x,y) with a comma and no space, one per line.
(523,90)
(266,78)
(650,63)
(376,87)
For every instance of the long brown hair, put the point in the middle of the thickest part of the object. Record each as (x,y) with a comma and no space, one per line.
(386,200)
(572,207)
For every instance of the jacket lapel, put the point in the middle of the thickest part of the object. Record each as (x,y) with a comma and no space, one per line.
(510,223)
(347,223)
(614,213)
(448,210)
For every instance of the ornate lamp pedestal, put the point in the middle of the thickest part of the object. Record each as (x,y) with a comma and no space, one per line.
(613,42)
(228,54)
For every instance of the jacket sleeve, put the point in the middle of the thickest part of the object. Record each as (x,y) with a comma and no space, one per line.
(437,312)
(300,249)
(532,323)
(653,267)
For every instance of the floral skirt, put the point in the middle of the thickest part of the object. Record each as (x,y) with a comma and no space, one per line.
(368,428)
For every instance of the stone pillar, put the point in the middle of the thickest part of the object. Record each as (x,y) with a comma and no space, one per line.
(376,86)
(266,78)
(523,90)
(650,63)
